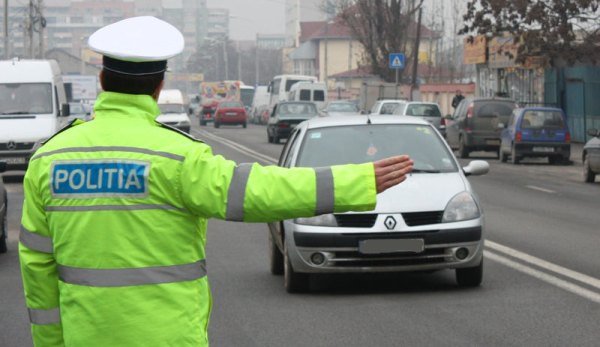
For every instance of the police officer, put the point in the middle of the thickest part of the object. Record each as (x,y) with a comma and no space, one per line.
(115,211)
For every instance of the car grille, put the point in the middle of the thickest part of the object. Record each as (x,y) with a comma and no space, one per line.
(422,218)
(356,220)
(356,259)
(20,146)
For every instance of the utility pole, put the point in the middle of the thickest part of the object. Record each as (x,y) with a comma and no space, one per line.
(416,54)
(30,29)
(225,58)
(42,24)
(256,65)
(6,55)
(239,60)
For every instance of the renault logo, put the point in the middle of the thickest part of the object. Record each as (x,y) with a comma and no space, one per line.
(11,145)
(390,223)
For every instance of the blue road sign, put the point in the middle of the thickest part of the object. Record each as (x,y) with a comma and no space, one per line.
(397,60)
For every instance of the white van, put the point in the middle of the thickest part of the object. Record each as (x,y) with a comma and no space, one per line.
(260,100)
(280,86)
(33,107)
(315,92)
(172,110)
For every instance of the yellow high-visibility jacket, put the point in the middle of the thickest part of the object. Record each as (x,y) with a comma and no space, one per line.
(114,225)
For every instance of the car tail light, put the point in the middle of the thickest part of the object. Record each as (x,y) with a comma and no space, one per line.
(443,121)
(568,137)
(518,136)
(470,111)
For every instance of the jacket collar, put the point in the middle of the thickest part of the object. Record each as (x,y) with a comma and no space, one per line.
(117,105)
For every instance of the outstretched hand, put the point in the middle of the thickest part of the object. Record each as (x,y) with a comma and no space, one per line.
(391,171)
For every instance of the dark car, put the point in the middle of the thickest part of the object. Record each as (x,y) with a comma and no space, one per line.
(536,132)
(230,113)
(285,116)
(3,211)
(207,113)
(591,156)
(474,124)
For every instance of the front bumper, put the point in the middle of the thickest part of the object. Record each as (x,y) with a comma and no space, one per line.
(342,253)
(16,160)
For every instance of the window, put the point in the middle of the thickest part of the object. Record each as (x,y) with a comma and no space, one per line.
(276,85)
(305,95)
(319,95)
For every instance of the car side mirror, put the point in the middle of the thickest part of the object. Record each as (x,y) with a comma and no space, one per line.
(65,110)
(2,166)
(594,132)
(476,168)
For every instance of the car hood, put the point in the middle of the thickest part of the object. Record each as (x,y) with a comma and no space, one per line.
(421,192)
(28,128)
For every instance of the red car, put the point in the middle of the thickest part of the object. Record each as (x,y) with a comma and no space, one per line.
(230,113)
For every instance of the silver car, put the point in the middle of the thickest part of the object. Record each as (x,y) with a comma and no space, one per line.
(429,111)
(431,221)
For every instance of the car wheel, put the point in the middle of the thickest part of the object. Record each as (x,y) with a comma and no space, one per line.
(275,257)
(556,160)
(4,227)
(202,123)
(269,137)
(588,175)
(514,158)
(245,125)
(502,156)
(294,282)
(470,276)
(463,151)
(217,124)
(275,137)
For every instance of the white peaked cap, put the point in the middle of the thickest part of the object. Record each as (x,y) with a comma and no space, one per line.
(143,39)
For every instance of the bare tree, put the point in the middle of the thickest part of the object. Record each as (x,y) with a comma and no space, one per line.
(382,27)
(559,30)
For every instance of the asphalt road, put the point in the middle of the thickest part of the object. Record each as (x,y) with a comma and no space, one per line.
(541,283)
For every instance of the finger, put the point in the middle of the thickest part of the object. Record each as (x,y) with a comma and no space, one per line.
(390,183)
(396,167)
(392,176)
(391,161)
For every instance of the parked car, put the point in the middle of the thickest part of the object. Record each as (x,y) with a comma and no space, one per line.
(591,156)
(3,210)
(285,116)
(536,132)
(474,124)
(172,110)
(386,106)
(231,113)
(429,111)
(340,108)
(432,221)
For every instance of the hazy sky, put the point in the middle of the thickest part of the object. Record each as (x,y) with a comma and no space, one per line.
(253,16)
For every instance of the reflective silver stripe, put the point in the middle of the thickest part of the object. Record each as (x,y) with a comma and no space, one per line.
(110,149)
(325,191)
(35,241)
(109,208)
(237,193)
(132,276)
(44,317)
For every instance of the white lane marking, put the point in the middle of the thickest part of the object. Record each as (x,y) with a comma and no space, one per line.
(591,281)
(541,189)
(568,286)
(490,244)
(237,146)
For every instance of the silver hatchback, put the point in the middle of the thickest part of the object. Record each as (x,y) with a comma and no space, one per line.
(429,111)
(431,221)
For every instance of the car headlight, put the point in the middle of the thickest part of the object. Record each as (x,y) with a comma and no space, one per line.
(461,207)
(325,220)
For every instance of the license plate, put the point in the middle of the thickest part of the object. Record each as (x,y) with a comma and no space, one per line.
(14,160)
(231,114)
(492,142)
(391,246)
(543,149)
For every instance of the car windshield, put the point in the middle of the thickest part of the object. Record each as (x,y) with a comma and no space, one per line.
(171,108)
(423,110)
(25,98)
(231,104)
(293,110)
(355,144)
(342,107)
(388,108)
(542,119)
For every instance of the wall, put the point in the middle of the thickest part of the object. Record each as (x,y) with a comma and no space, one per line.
(342,55)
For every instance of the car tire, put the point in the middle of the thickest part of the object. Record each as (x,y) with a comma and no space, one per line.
(245,125)
(275,137)
(293,281)
(269,137)
(4,227)
(275,257)
(470,276)
(502,156)
(202,123)
(588,175)
(514,157)
(463,151)
(217,124)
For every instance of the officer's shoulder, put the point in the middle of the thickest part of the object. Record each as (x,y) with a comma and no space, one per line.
(182,133)
(70,125)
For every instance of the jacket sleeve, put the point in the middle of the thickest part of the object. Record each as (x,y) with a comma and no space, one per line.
(215,187)
(38,269)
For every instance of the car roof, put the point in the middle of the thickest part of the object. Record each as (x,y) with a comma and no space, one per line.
(421,103)
(296,102)
(324,122)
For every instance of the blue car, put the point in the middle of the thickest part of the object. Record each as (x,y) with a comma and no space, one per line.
(536,132)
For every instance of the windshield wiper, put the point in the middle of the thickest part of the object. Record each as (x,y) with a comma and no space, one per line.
(425,171)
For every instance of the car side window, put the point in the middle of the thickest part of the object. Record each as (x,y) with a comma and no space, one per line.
(289,149)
